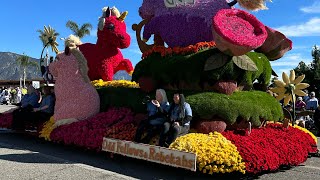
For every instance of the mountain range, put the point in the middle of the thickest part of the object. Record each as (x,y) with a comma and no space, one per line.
(10,70)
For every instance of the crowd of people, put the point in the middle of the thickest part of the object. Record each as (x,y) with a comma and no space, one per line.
(168,120)
(10,95)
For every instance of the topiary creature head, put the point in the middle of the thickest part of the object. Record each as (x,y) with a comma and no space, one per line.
(112,30)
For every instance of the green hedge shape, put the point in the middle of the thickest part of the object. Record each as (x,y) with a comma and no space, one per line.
(248,105)
(190,69)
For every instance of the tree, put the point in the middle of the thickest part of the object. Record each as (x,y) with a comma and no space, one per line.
(48,38)
(24,62)
(312,71)
(80,32)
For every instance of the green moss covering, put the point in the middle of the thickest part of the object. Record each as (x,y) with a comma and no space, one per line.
(249,105)
(190,69)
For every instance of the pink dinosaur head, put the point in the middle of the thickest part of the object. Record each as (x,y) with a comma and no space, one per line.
(112,31)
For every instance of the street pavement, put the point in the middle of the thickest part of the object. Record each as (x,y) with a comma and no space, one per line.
(24,157)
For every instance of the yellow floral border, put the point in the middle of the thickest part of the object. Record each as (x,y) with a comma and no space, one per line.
(115,83)
(215,154)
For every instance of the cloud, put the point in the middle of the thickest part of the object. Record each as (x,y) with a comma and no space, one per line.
(301,48)
(310,28)
(290,60)
(314,8)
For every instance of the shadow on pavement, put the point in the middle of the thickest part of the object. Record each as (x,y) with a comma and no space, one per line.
(55,153)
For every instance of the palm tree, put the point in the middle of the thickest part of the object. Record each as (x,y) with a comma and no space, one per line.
(80,32)
(24,62)
(48,38)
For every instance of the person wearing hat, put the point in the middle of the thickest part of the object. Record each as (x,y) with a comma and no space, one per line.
(312,104)
(300,104)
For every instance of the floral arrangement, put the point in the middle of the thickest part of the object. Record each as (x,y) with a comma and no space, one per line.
(89,133)
(6,120)
(115,83)
(123,130)
(276,44)
(73,105)
(308,132)
(266,149)
(289,88)
(103,62)
(237,32)
(215,154)
(168,51)
(47,129)
(183,26)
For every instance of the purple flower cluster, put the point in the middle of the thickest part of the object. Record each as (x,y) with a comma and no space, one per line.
(181,26)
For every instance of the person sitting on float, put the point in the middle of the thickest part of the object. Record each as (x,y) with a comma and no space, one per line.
(157,111)
(28,102)
(46,109)
(180,115)
(39,114)
(30,99)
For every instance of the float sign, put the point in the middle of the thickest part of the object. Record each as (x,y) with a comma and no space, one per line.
(151,153)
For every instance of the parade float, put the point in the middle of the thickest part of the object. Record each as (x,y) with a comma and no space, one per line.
(218,56)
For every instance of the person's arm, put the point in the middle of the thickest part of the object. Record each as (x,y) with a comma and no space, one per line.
(188,114)
(41,108)
(164,110)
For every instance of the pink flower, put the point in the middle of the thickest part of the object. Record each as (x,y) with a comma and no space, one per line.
(237,32)
(276,45)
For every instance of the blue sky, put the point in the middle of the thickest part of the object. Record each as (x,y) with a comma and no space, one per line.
(298,19)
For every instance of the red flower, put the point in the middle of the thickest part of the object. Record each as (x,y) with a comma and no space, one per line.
(266,149)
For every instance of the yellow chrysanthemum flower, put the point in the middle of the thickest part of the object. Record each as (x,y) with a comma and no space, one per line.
(308,132)
(289,87)
(47,129)
(115,83)
(215,154)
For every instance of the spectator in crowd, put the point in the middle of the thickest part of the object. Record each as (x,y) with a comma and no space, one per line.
(157,111)
(300,104)
(5,96)
(19,95)
(306,97)
(180,115)
(312,103)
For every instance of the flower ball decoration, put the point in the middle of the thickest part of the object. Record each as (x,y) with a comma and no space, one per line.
(237,32)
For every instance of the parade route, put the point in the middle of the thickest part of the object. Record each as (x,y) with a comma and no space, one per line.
(25,157)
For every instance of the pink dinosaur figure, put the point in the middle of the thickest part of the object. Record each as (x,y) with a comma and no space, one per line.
(76,98)
(104,57)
